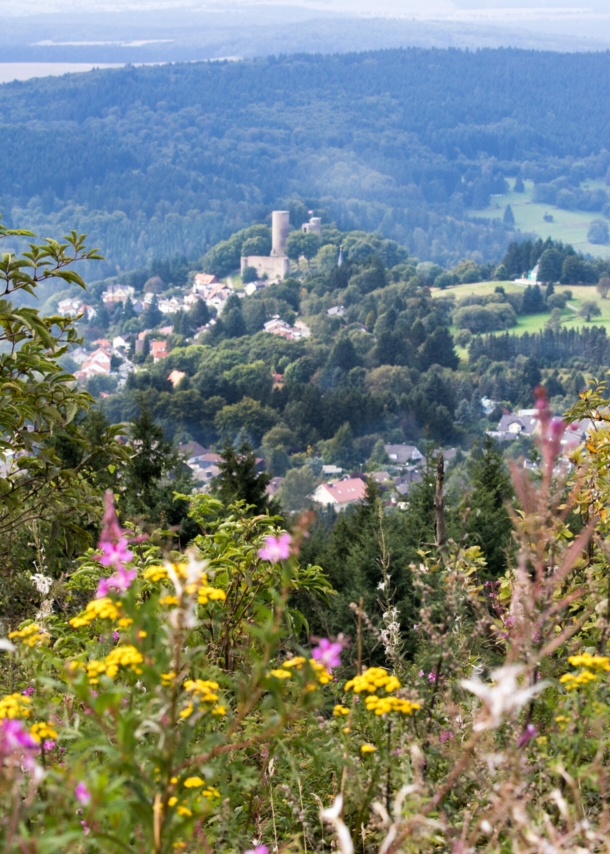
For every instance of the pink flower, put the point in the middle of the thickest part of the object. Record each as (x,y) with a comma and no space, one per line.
(327,653)
(115,554)
(14,738)
(527,735)
(27,692)
(48,744)
(446,736)
(81,792)
(276,548)
(260,849)
(121,580)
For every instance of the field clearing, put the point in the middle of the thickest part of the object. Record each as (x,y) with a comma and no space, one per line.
(569,226)
(536,322)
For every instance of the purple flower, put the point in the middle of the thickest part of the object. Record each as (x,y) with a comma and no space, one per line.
(260,849)
(48,744)
(527,735)
(27,692)
(115,554)
(14,738)
(81,793)
(276,548)
(446,736)
(115,636)
(327,653)
(421,674)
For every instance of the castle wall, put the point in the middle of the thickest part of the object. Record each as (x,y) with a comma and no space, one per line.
(274,267)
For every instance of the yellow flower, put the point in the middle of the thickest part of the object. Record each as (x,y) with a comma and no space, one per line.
(155,573)
(125,622)
(98,609)
(340,710)
(210,593)
(31,635)
(371,680)
(172,802)
(174,780)
(187,711)
(585,659)
(281,674)
(15,706)
(184,811)
(167,678)
(120,656)
(383,705)
(168,600)
(42,730)
(219,710)
(297,662)
(193,782)
(203,689)
(210,793)
(368,748)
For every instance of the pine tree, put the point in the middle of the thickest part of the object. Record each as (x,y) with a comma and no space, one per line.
(489,524)
(519,185)
(509,217)
(239,479)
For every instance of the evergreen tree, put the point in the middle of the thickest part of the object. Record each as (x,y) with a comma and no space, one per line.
(239,479)
(152,316)
(519,185)
(152,476)
(489,524)
(438,349)
(509,217)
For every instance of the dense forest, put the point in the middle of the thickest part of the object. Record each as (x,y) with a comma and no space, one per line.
(164,161)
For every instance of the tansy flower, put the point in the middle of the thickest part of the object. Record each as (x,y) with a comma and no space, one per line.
(368,748)
(193,782)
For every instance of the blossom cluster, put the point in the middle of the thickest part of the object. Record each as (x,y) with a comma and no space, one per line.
(100,609)
(372,680)
(284,672)
(31,635)
(15,706)
(384,705)
(593,665)
(121,656)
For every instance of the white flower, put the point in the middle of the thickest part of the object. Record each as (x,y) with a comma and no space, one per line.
(332,815)
(41,582)
(503,696)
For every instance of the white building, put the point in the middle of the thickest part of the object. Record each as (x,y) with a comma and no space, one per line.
(341,493)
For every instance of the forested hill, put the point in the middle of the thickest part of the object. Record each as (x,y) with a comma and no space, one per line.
(168,159)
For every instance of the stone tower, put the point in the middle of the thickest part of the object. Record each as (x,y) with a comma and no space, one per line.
(280,226)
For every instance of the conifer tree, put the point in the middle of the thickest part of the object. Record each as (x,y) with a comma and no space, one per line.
(239,479)
(489,524)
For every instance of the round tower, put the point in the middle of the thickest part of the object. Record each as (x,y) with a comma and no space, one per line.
(280,226)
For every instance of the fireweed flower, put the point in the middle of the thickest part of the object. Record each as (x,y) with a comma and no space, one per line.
(260,849)
(276,548)
(81,793)
(14,738)
(527,735)
(327,653)
(115,552)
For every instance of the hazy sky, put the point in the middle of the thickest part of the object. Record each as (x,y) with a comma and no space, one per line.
(487,10)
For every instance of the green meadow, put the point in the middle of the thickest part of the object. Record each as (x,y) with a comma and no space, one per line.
(568,226)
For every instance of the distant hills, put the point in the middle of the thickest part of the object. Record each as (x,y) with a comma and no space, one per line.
(163,161)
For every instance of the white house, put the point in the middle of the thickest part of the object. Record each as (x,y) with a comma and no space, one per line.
(341,493)
(404,455)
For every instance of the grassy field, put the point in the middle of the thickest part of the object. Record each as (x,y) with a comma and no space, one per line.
(569,226)
(536,322)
